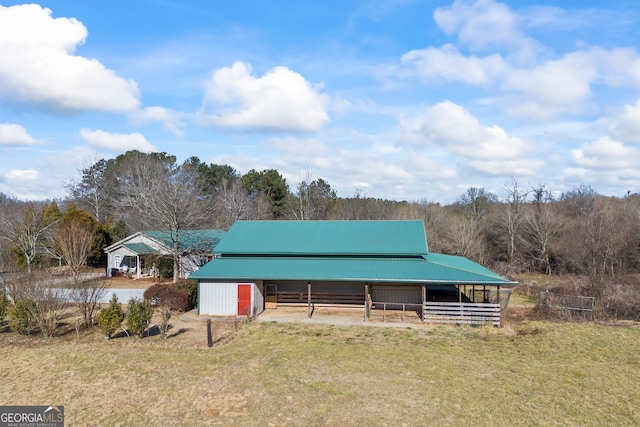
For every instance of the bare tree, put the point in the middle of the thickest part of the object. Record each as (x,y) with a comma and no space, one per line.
(94,191)
(232,203)
(509,219)
(542,223)
(166,197)
(44,301)
(74,239)
(25,227)
(88,294)
(462,238)
(477,203)
(594,235)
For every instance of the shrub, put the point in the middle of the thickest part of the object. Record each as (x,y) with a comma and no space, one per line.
(163,265)
(191,287)
(139,313)
(22,320)
(110,317)
(4,305)
(170,296)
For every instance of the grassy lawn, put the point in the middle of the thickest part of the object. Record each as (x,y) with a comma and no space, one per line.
(530,373)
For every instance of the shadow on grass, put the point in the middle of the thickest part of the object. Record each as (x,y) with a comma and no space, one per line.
(178,332)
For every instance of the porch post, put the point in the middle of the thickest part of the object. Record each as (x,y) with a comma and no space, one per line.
(309,299)
(424,300)
(498,291)
(138,266)
(366,302)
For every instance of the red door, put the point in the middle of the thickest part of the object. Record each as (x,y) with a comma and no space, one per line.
(244,300)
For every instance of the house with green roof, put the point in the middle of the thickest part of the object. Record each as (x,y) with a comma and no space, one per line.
(368,264)
(130,255)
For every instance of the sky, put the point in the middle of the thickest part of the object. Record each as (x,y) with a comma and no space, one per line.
(402,100)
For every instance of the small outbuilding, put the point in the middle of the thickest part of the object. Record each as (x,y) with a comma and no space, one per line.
(376,265)
(130,255)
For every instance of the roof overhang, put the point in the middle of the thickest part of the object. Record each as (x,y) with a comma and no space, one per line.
(441,270)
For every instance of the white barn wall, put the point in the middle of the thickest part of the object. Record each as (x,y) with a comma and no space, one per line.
(257,298)
(218,299)
(221,299)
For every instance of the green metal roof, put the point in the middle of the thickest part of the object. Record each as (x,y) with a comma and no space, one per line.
(140,248)
(432,268)
(387,238)
(366,251)
(188,239)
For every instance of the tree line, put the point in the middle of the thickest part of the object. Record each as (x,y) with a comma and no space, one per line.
(522,229)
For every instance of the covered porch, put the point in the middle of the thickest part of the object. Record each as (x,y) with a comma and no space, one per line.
(434,303)
(131,260)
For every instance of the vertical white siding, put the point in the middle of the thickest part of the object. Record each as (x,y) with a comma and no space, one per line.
(257,299)
(221,299)
(218,299)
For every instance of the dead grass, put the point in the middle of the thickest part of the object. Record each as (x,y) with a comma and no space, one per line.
(529,373)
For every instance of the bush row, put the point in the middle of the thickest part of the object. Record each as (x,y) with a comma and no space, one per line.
(138,316)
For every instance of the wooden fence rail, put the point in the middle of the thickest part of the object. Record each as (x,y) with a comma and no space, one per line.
(462,313)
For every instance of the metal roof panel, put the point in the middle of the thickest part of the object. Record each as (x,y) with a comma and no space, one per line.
(441,269)
(325,238)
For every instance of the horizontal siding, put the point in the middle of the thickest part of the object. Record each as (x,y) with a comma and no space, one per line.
(301,286)
(397,294)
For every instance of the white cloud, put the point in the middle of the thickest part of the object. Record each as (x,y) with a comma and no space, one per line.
(626,127)
(14,134)
(449,132)
(451,126)
(605,153)
(448,63)
(38,65)
(281,99)
(24,184)
(117,141)
(555,86)
(524,84)
(22,175)
(607,162)
(170,119)
(383,169)
(485,24)
(45,175)
(618,67)
(519,167)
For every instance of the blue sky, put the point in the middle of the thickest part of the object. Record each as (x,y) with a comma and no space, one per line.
(406,100)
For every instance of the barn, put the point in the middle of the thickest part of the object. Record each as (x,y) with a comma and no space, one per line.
(369,264)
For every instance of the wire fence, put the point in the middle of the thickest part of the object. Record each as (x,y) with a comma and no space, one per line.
(569,307)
